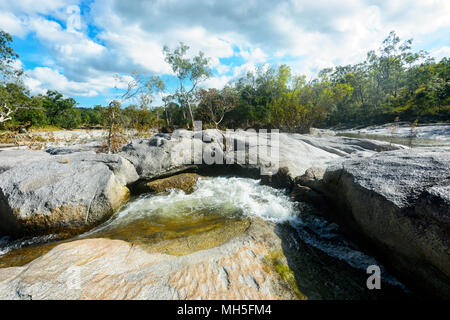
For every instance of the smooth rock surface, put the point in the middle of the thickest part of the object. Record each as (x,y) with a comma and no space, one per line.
(63,193)
(438,131)
(13,157)
(114,269)
(400,202)
(166,154)
(68,149)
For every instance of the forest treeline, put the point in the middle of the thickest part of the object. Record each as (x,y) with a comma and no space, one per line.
(392,83)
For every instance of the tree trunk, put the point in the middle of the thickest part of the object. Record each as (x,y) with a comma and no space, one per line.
(190,113)
(167,118)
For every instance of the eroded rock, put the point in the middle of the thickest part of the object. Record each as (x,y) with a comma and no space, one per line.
(182,181)
(167,154)
(63,193)
(400,202)
(114,269)
(15,157)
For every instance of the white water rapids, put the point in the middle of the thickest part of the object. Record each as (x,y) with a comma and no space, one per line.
(232,197)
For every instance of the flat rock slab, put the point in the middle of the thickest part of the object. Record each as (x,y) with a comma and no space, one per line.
(427,131)
(166,154)
(114,269)
(11,158)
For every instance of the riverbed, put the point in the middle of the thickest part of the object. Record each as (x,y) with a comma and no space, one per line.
(326,265)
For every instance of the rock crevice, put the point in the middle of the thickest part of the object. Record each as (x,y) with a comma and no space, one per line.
(399,202)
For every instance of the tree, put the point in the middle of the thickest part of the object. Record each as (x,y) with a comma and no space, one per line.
(17,105)
(215,104)
(114,122)
(190,72)
(167,100)
(13,95)
(60,110)
(7,58)
(141,89)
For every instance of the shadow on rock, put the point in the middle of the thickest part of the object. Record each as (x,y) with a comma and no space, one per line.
(320,276)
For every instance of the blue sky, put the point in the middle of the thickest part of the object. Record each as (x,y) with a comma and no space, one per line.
(76,47)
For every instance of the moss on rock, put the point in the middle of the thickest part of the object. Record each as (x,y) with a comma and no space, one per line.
(277,262)
(182,181)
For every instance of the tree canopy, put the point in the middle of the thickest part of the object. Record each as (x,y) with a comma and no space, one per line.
(393,82)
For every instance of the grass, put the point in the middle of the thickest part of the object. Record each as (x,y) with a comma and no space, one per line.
(276,260)
(47,128)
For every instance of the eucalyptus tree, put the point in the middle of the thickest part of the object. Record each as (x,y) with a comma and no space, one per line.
(190,72)
(13,95)
(7,57)
(216,103)
(167,100)
(138,88)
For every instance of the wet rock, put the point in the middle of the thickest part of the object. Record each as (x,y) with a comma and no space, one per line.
(182,181)
(308,195)
(63,193)
(114,269)
(399,202)
(202,237)
(281,179)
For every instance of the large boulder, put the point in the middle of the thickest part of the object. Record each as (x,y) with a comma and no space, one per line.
(13,157)
(166,154)
(154,157)
(399,202)
(63,193)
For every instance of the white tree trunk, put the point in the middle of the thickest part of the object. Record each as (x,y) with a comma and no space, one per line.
(5,113)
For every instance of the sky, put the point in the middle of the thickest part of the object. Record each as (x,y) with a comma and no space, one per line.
(78,46)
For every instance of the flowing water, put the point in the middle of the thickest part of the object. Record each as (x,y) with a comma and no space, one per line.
(218,209)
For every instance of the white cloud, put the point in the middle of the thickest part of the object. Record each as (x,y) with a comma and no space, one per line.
(40,79)
(308,35)
(216,82)
(130,46)
(12,24)
(243,69)
(56,8)
(254,55)
(438,54)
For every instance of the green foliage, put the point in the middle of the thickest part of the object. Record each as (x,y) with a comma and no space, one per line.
(190,72)
(277,262)
(60,111)
(23,108)
(7,57)
(392,82)
(215,104)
